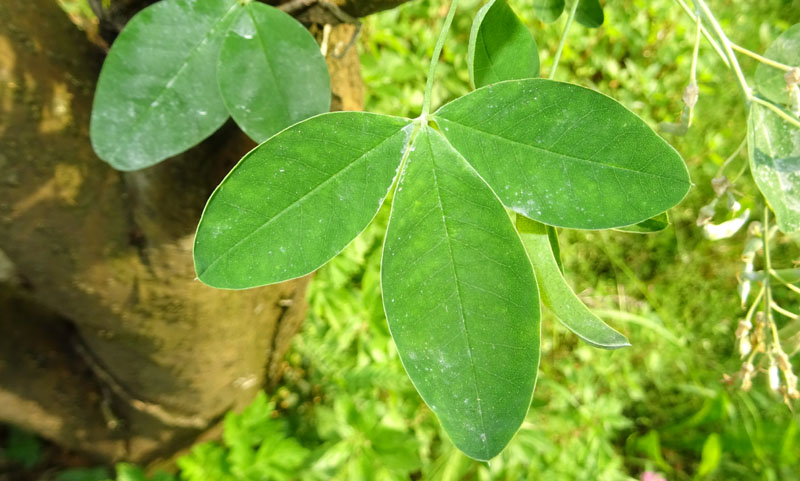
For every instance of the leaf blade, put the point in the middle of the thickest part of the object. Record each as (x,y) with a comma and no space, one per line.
(552,236)
(652,225)
(774,150)
(558,296)
(271,72)
(141,96)
(590,13)
(298,199)
(565,155)
(476,365)
(500,46)
(548,11)
(785,49)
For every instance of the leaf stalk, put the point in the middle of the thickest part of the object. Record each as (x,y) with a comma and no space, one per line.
(437,51)
(563,40)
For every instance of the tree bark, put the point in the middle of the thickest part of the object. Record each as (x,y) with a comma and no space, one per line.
(108,344)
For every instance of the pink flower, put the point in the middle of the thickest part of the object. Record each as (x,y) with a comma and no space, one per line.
(651,476)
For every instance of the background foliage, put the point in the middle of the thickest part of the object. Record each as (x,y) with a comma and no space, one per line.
(347,409)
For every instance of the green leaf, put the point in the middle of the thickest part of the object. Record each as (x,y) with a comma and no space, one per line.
(650,446)
(556,293)
(461,299)
(259,446)
(157,94)
(205,461)
(23,448)
(710,456)
(774,148)
(396,450)
(792,276)
(298,199)
(565,155)
(769,80)
(789,452)
(589,13)
(552,236)
(271,72)
(649,226)
(83,474)
(548,11)
(129,472)
(500,46)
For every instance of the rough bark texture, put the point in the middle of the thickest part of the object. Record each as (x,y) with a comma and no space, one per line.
(108,343)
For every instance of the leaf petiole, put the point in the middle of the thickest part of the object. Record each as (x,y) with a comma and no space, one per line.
(726,46)
(563,39)
(426,102)
(762,59)
(705,33)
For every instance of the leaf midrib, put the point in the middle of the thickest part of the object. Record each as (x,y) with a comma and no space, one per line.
(300,200)
(267,60)
(558,154)
(489,57)
(168,85)
(460,296)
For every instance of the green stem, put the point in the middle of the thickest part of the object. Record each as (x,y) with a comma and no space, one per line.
(730,158)
(764,60)
(437,51)
(696,51)
(726,45)
(751,312)
(780,310)
(707,35)
(767,280)
(692,91)
(765,240)
(786,283)
(563,38)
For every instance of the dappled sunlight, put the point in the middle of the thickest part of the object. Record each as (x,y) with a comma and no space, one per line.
(8,85)
(64,187)
(57,114)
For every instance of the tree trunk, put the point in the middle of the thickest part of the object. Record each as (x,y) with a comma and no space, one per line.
(108,344)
